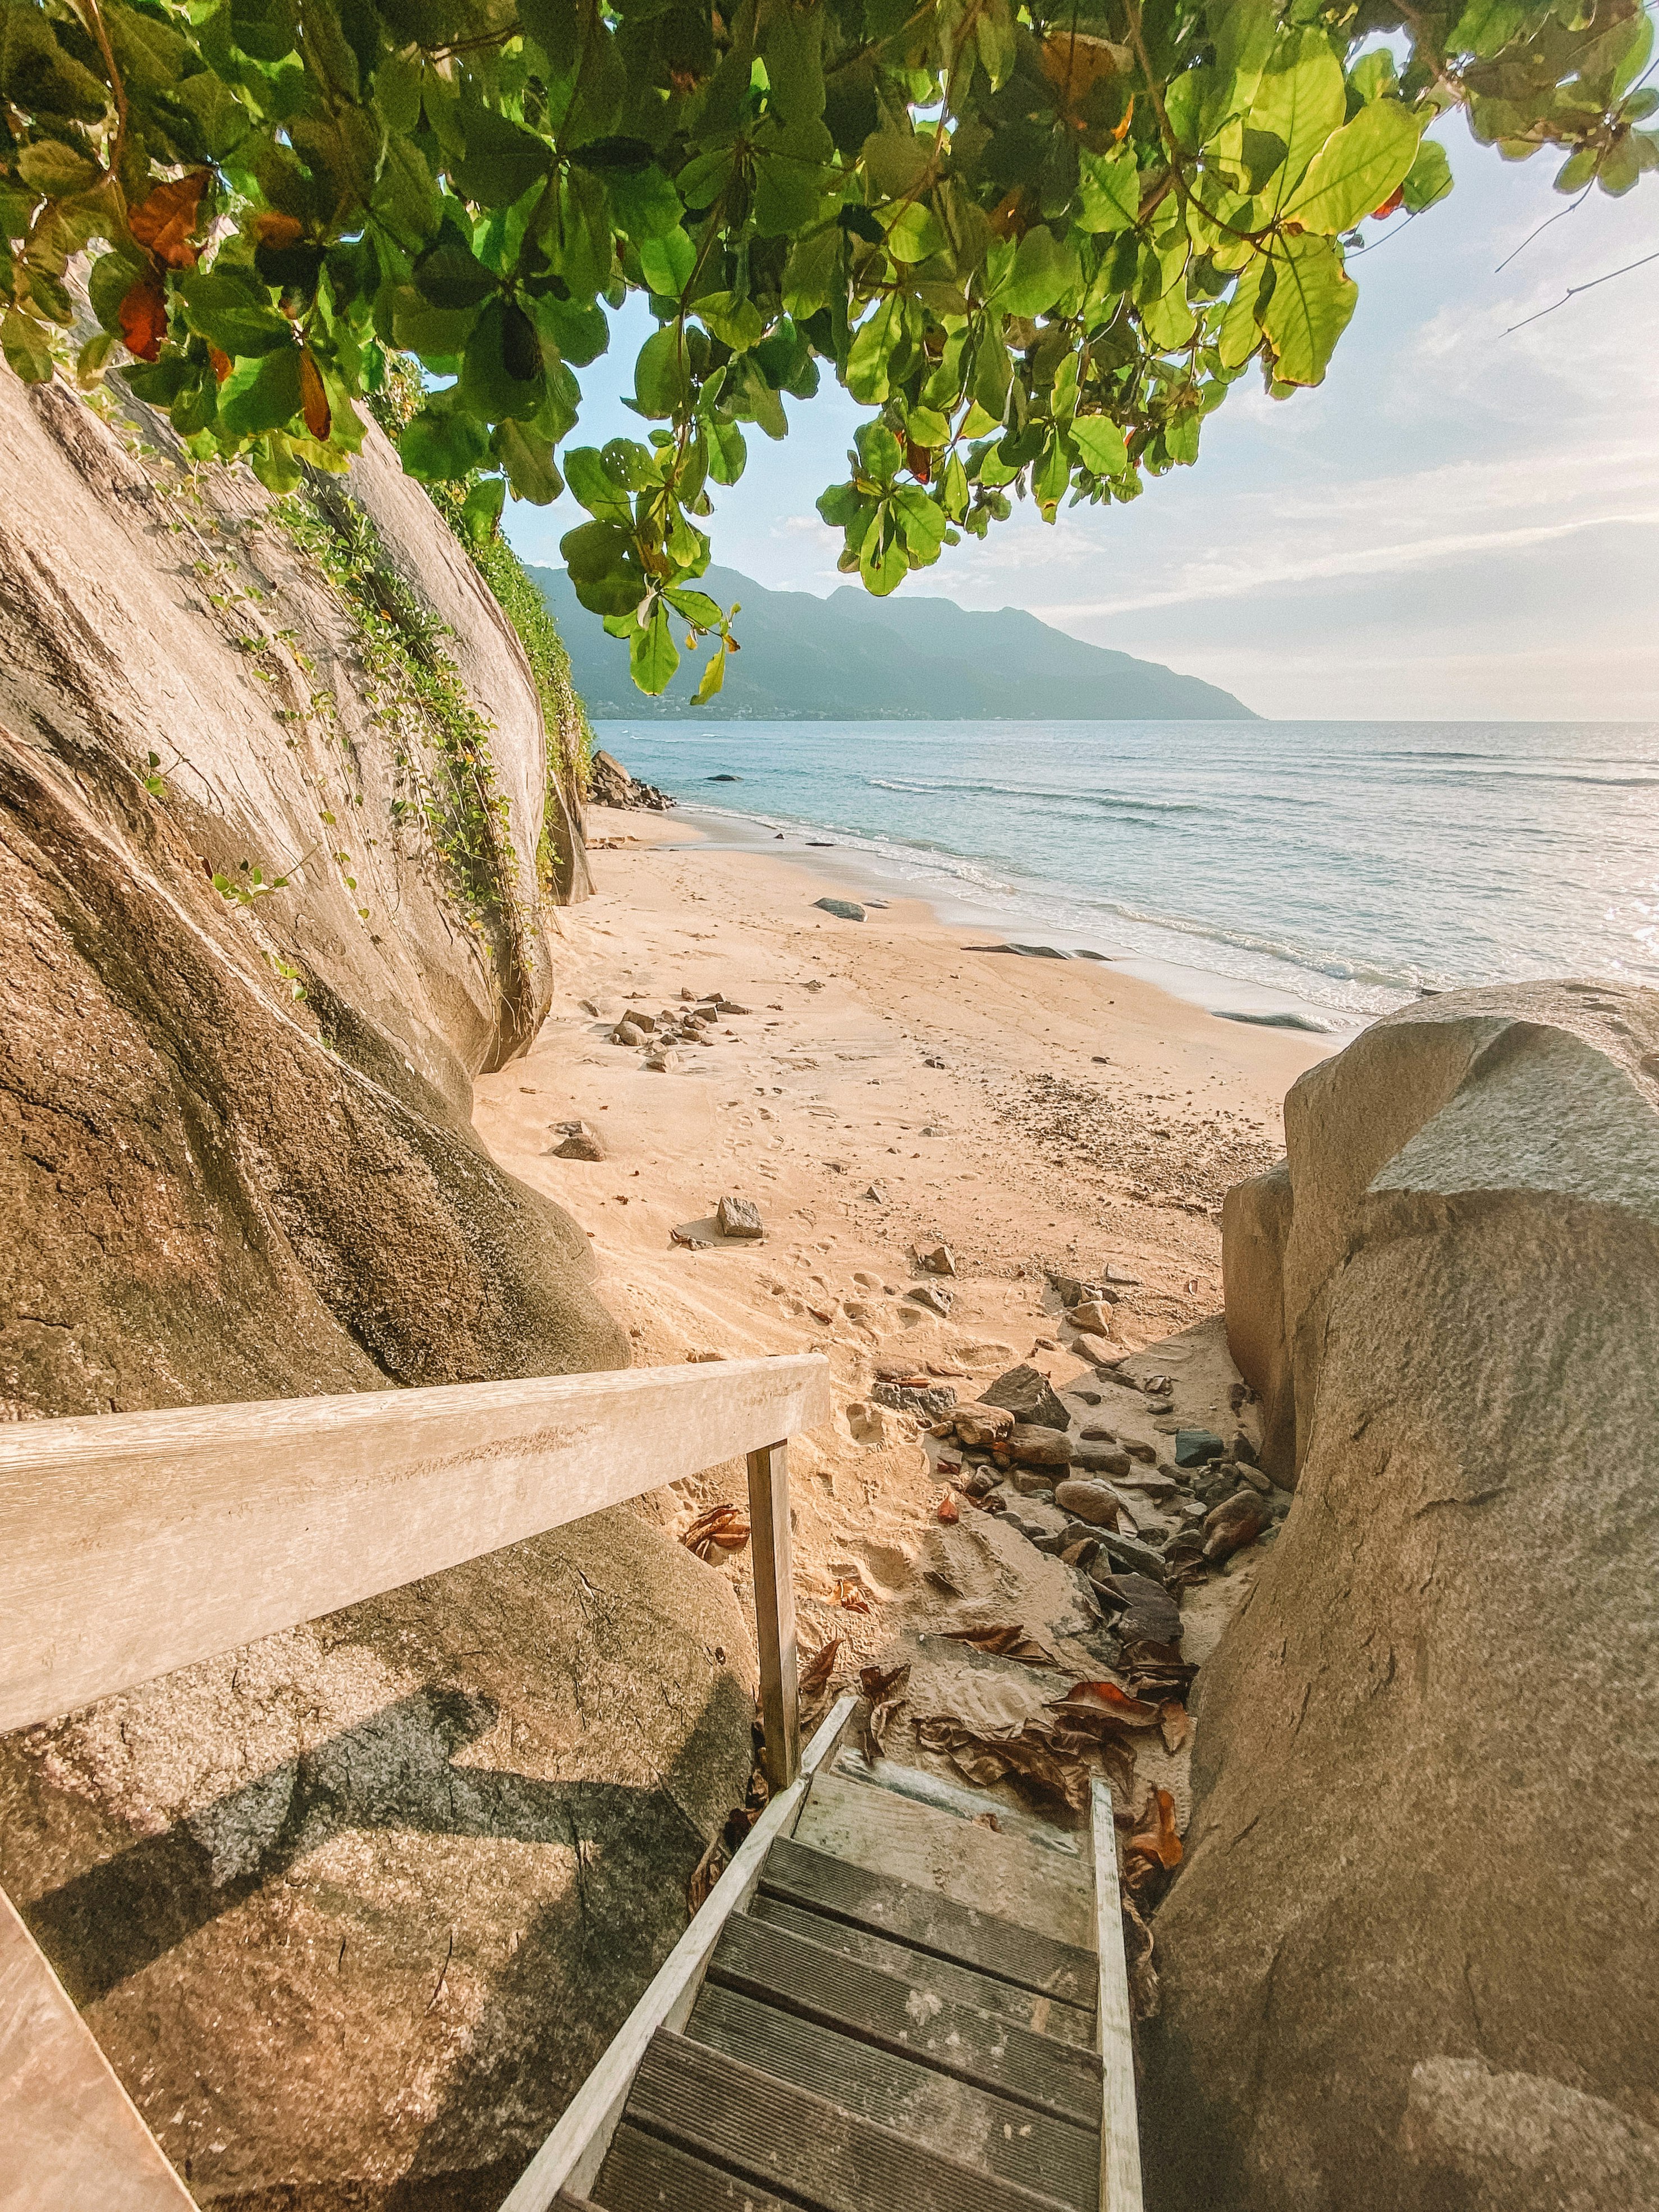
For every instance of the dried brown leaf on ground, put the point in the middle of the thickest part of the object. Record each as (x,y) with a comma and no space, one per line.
(846,1593)
(884,1692)
(1176,1724)
(947,1509)
(1095,1706)
(721,1528)
(1028,1751)
(1156,1670)
(1153,1844)
(1008,1640)
(816,1673)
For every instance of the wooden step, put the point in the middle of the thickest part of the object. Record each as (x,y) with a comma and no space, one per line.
(962,1934)
(936,1849)
(940,1978)
(939,2111)
(644,2174)
(894,2016)
(802,2146)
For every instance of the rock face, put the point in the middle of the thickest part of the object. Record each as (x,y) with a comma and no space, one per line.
(1420,1862)
(352,1911)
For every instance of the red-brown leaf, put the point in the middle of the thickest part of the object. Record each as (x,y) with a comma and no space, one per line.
(1089,1705)
(815,1674)
(222,363)
(1155,1838)
(165,220)
(143,317)
(947,1509)
(722,1527)
(313,400)
(1009,1641)
(278,230)
(846,1593)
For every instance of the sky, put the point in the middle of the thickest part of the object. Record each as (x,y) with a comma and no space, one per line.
(1460,524)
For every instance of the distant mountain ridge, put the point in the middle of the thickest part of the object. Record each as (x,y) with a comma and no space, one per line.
(855,658)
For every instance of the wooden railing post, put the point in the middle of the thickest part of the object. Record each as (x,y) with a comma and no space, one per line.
(775,1612)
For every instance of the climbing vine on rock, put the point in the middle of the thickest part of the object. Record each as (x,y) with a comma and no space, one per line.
(1039,245)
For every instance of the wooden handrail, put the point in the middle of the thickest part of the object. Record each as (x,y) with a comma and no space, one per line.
(132,1544)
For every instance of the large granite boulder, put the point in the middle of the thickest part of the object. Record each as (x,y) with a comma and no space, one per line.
(1426,1773)
(353,1910)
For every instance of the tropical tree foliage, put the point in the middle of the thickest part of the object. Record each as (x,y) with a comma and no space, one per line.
(1039,245)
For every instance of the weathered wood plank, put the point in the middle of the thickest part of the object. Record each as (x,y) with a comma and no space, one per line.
(775,1612)
(940,2112)
(572,2153)
(1120,2133)
(801,1876)
(72,2138)
(643,2173)
(1045,2016)
(134,1543)
(892,2014)
(939,1850)
(802,2145)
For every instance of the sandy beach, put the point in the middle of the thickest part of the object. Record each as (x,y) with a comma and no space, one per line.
(887,1090)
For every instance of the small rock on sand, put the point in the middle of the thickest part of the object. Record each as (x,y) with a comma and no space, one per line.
(1030,1396)
(738,1217)
(1093,1315)
(628,1033)
(843,909)
(578,1141)
(941,1261)
(662,1060)
(1033,1445)
(982,1424)
(1193,1447)
(933,1295)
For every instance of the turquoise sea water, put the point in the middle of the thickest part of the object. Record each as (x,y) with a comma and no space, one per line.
(1341,866)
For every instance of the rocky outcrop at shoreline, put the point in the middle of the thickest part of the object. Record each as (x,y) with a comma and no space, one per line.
(610,784)
(1414,1921)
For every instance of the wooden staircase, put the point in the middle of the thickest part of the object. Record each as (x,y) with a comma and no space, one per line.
(900,2009)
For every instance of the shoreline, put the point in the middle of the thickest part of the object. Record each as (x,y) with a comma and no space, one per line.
(869,866)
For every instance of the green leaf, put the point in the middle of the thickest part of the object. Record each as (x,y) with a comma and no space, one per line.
(231,307)
(1301,101)
(50,167)
(736,323)
(1240,333)
(596,486)
(662,382)
(502,161)
(1044,270)
(604,573)
(696,608)
(644,202)
(883,561)
(1356,169)
(915,235)
(653,655)
(1108,191)
(922,523)
(1429,178)
(813,276)
(481,510)
(667,261)
(714,677)
(1099,444)
(728,454)
(449,274)
(502,367)
(869,362)
(794,64)
(528,459)
(1313,300)
(1169,321)
(441,445)
(24,343)
(262,397)
(879,452)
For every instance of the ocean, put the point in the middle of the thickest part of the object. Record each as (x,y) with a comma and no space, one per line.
(1315,873)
